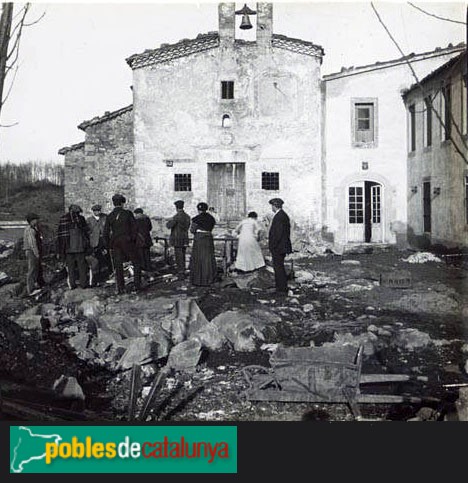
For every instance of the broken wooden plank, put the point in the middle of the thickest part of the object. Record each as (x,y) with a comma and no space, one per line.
(151,396)
(377,378)
(135,386)
(299,396)
(44,412)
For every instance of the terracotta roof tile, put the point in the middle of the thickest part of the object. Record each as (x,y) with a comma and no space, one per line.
(73,147)
(169,52)
(203,42)
(347,71)
(106,117)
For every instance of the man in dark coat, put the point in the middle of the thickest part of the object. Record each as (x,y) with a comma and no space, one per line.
(73,245)
(119,237)
(179,225)
(279,244)
(143,239)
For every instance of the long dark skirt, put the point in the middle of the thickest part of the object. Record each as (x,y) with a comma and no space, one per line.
(203,262)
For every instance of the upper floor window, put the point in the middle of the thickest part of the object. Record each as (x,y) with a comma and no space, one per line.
(182,182)
(446,112)
(412,127)
(270,181)
(364,122)
(227,89)
(427,121)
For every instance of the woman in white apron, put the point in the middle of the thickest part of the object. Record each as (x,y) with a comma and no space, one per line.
(249,254)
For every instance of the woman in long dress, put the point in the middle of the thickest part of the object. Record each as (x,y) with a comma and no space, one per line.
(249,254)
(202,262)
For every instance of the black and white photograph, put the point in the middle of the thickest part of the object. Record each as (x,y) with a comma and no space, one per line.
(233,212)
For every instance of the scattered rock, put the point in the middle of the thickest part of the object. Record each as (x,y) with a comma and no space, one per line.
(68,387)
(350,262)
(185,356)
(30,319)
(138,349)
(411,339)
(307,308)
(79,342)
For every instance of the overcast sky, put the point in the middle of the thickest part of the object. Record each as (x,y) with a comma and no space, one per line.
(73,61)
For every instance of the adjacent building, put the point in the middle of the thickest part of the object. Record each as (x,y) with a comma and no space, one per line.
(437,159)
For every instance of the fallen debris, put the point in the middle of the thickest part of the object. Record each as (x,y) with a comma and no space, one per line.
(422,257)
(68,387)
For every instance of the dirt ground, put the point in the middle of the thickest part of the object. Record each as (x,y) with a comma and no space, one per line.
(335,301)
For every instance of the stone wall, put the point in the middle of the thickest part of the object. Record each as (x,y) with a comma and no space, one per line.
(275,127)
(104,165)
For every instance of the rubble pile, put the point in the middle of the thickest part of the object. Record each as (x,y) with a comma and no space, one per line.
(6,248)
(422,257)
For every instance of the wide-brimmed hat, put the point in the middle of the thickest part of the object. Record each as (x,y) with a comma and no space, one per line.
(278,202)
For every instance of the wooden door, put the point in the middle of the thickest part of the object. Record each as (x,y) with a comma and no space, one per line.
(226,190)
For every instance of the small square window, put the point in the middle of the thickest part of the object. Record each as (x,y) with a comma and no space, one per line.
(182,182)
(227,89)
(270,181)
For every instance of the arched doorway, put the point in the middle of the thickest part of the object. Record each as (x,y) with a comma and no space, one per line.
(365,212)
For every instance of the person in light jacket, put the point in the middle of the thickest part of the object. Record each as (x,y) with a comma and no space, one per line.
(32,246)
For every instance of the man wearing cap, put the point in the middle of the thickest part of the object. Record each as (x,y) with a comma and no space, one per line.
(32,246)
(119,237)
(73,244)
(98,256)
(179,225)
(279,244)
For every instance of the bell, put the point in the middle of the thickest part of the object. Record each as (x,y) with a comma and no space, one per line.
(245,24)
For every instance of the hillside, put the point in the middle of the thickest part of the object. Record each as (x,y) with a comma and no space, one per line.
(44,198)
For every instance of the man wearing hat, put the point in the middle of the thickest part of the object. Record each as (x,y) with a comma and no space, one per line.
(119,237)
(98,256)
(279,244)
(179,225)
(73,244)
(32,246)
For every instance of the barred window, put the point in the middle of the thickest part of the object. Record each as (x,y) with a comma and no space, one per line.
(270,181)
(182,182)
(227,89)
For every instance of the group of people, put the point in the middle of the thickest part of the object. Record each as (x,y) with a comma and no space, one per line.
(102,241)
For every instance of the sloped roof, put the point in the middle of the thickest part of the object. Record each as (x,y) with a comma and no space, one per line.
(348,71)
(203,42)
(448,65)
(106,117)
(73,147)
(169,52)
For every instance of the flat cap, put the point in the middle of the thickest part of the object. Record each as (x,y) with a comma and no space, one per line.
(278,202)
(179,203)
(31,216)
(138,210)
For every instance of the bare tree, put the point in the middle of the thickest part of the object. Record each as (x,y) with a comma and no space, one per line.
(11,30)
